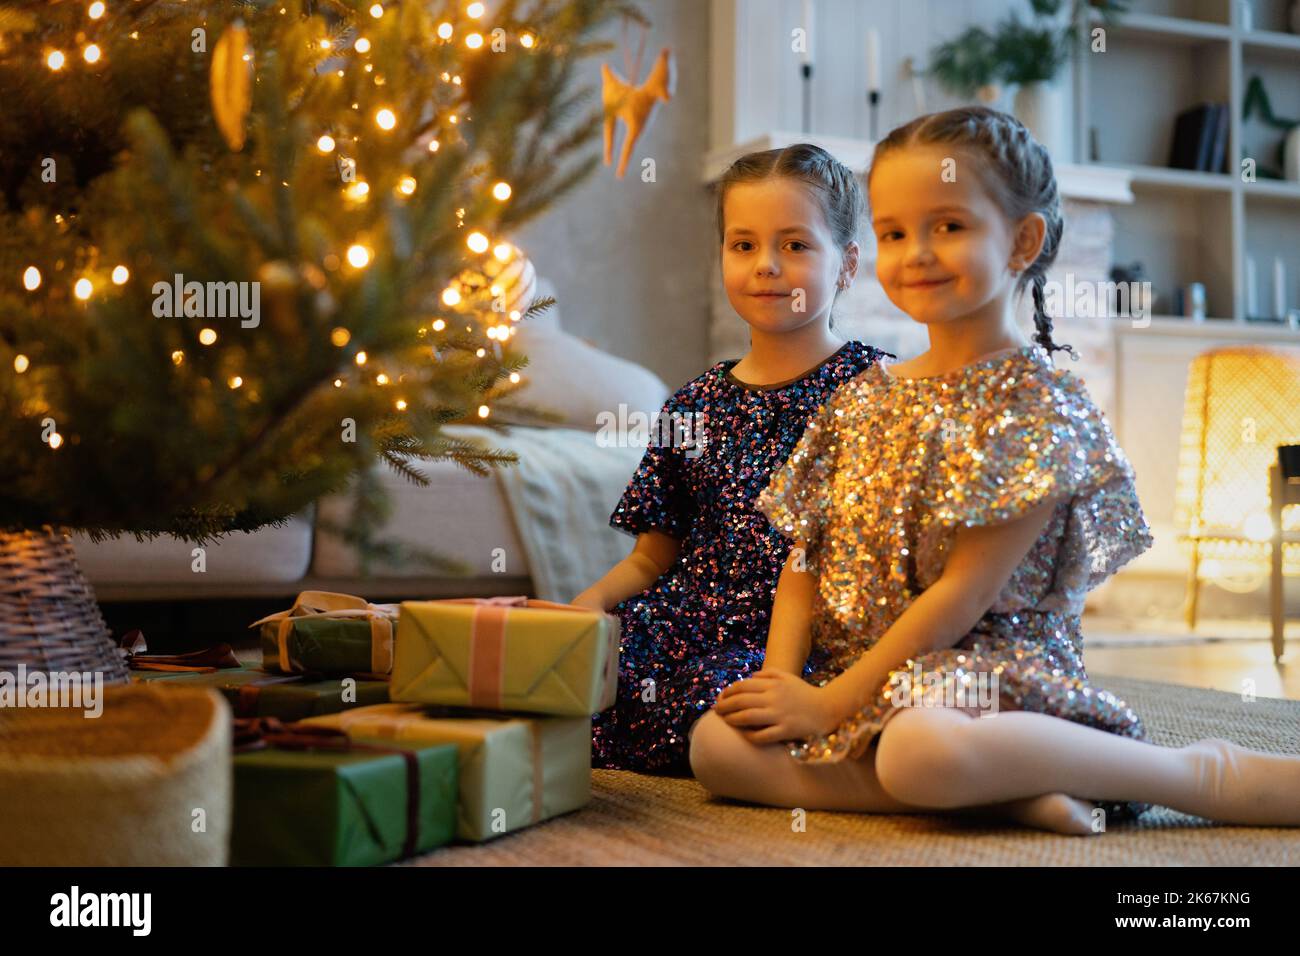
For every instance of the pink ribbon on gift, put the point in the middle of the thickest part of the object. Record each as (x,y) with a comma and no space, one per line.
(487,650)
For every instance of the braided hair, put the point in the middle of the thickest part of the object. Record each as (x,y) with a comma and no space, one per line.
(834,187)
(1016,170)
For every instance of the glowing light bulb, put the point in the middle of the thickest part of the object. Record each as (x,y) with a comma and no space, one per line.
(526,40)
(338,383)
(503,251)
(178,357)
(358,190)
(21,363)
(340,337)
(477,242)
(514,378)
(483,411)
(235,381)
(31,278)
(120,275)
(407,184)
(1259,527)
(96,10)
(362,45)
(381,379)
(83,289)
(55,440)
(358,256)
(400,404)
(361,358)
(377,10)
(55,60)
(474,41)
(91,53)
(326,143)
(207,336)
(433,145)
(501,191)
(439,325)
(386,119)
(325,44)
(474,10)
(450,296)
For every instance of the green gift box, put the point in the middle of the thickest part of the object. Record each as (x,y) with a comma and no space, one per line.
(329,633)
(255,693)
(335,802)
(516,770)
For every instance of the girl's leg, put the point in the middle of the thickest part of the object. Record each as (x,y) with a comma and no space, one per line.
(944,758)
(728,765)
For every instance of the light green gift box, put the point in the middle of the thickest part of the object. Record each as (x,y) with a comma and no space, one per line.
(506,654)
(515,769)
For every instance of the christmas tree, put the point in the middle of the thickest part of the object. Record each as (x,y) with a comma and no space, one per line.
(248,249)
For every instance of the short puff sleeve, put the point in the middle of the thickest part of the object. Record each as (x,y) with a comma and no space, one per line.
(797,499)
(1042,438)
(659,495)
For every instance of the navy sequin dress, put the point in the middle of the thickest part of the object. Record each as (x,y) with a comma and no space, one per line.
(703,624)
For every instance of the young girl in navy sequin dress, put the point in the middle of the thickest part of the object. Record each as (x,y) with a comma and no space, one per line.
(694,598)
(951,513)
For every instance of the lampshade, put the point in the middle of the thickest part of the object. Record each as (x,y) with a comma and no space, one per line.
(1241,404)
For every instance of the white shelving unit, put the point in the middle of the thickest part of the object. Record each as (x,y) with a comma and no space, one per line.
(1166,56)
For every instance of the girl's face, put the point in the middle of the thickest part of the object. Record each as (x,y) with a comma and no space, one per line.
(780,265)
(945,250)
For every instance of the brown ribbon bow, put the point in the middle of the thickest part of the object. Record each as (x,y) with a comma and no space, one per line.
(205,661)
(260,733)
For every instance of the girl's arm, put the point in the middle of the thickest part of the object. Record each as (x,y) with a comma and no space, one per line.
(981,561)
(653,555)
(789,637)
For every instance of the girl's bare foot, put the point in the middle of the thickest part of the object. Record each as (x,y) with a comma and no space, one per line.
(1236,785)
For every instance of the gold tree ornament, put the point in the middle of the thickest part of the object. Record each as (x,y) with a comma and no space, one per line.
(634,105)
(231,84)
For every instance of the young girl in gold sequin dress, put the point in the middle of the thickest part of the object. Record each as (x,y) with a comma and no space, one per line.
(948,516)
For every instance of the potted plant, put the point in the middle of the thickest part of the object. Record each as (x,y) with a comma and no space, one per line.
(1027,55)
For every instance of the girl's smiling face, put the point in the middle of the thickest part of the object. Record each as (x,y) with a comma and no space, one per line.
(945,250)
(780,264)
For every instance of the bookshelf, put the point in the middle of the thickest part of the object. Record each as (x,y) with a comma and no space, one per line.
(1186,226)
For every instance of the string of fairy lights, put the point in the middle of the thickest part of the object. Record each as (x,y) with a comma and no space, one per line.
(358,255)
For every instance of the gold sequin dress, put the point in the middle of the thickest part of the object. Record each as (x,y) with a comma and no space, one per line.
(884,475)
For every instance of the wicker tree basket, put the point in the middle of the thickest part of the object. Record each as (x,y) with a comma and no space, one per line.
(49,619)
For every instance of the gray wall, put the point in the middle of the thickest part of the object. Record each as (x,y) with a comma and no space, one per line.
(631,260)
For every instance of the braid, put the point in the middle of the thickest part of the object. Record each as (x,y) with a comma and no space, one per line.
(1043,321)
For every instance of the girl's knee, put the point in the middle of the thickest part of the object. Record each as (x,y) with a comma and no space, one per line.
(709,750)
(920,756)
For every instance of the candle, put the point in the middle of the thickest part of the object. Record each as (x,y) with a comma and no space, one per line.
(1279,287)
(873,59)
(1252,289)
(807,56)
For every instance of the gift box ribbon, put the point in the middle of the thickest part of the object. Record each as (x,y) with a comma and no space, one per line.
(487,652)
(331,604)
(259,733)
(205,661)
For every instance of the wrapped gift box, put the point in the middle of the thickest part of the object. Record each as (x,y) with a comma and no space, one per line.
(512,654)
(329,633)
(307,799)
(255,693)
(515,769)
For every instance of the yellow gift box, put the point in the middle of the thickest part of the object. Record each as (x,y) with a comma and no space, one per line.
(515,770)
(508,653)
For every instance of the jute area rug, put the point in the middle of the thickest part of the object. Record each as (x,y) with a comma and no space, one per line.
(640,820)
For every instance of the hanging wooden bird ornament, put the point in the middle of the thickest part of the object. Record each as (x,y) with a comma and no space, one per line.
(634,105)
(231,83)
